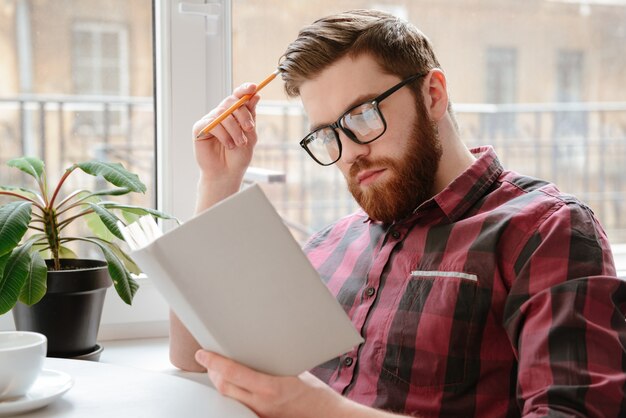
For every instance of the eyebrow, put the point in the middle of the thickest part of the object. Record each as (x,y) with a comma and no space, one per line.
(356,101)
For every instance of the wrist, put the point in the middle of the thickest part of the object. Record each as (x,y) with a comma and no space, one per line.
(227,182)
(211,191)
(338,406)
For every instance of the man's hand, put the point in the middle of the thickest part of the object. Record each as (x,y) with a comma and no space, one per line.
(227,149)
(272,396)
(224,153)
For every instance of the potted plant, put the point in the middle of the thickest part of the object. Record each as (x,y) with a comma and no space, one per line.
(49,289)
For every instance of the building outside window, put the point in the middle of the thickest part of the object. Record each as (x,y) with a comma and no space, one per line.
(500,88)
(101,68)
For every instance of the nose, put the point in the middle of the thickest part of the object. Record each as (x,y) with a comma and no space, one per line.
(350,150)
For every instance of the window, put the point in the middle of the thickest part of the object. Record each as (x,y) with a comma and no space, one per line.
(569,85)
(570,123)
(71,91)
(100,59)
(100,67)
(500,85)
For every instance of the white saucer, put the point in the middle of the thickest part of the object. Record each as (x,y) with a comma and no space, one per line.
(50,385)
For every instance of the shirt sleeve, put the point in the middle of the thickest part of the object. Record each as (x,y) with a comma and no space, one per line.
(565,318)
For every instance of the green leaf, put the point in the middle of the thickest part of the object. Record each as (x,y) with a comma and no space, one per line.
(96,226)
(115,174)
(124,284)
(36,282)
(14,276)
(129,263)
(6,302)
(3,262)
(129,217)
(29,165)
(137,210)
(41,246)
(86,196)
(14,220)
(108,219)
(111,192)
(65,252)
(27,193)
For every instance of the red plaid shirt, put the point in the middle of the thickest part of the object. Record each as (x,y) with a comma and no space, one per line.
(497,298)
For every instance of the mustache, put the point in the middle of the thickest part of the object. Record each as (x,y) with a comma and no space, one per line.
(365,164)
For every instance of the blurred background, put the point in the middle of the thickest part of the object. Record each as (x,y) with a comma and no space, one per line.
(540,80)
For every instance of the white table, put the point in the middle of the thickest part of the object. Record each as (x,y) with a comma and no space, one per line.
(109,391)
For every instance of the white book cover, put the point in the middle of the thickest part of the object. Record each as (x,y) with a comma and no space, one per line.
(240,282)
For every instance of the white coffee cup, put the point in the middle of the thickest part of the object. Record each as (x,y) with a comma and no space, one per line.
(22,354)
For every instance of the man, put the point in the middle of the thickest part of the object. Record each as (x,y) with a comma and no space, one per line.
(478,291)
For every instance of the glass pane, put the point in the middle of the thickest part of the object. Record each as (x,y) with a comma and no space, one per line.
(111,46)
(71,92)
(551,71)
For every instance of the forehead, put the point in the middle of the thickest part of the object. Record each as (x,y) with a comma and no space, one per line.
(347,82)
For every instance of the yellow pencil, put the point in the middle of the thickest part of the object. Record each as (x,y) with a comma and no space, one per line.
(235,106)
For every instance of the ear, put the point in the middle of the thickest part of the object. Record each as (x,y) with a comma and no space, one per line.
(435,94)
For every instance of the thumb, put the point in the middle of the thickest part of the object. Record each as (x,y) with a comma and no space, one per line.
(202,357)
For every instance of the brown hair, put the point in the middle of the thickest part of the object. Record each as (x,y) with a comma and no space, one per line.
(396,45)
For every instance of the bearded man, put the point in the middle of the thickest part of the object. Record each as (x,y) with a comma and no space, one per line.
(478,291)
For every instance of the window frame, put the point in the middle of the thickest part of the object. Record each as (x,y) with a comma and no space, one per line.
(187,82)
(203,65)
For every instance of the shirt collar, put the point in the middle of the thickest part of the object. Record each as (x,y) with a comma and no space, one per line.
(462,193)
(471,185)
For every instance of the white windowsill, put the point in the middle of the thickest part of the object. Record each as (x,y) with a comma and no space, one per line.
(149,354)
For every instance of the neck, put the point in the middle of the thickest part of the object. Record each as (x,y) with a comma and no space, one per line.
(456,158)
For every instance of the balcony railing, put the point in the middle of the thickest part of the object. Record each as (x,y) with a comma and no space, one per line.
(579,146)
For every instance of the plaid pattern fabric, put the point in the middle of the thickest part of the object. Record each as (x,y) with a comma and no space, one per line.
(497,298)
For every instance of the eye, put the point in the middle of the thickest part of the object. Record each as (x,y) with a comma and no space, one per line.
(325,136)
(363,119)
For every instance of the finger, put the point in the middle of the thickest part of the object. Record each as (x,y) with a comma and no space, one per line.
(225,134)
(200,125)
(251,105)
(218,132)
(222,135)
(242,90)
(235,130)
(235,373)
(244,118)
(226,388)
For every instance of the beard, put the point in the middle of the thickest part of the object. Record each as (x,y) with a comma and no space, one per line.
(412,176)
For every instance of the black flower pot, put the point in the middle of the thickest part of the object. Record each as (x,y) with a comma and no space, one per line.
(69,314)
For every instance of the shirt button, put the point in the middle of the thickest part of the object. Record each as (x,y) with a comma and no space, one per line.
(347,361)
(395,234)
(369,292)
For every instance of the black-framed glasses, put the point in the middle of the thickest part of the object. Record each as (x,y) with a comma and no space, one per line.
(363,123)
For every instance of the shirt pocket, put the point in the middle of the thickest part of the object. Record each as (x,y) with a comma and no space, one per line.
(429,334)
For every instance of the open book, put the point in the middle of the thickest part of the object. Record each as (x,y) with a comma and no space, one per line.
(241,284)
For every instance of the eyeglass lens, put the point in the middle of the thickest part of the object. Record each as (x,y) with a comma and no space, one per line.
(363,123)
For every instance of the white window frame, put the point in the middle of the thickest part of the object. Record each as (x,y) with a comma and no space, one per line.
(193,73)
